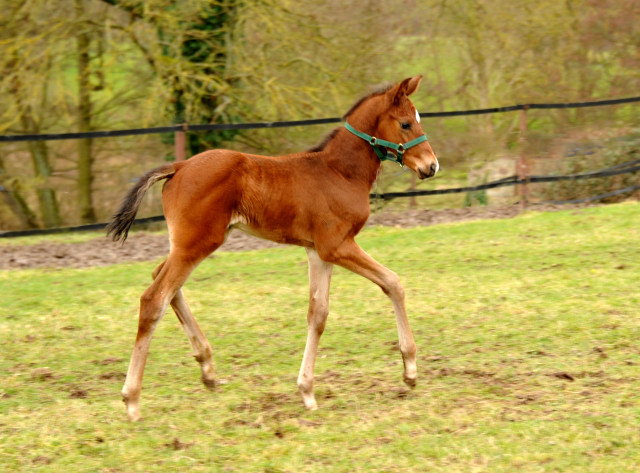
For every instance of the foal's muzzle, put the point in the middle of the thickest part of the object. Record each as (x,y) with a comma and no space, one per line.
(429,172)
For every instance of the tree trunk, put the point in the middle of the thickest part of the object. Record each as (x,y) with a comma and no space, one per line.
(15,201)
(40,158)
(85,158)
(46,195)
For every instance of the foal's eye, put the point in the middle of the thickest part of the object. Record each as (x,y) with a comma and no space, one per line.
(406,126)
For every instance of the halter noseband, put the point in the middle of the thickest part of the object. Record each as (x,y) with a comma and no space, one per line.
(377,145)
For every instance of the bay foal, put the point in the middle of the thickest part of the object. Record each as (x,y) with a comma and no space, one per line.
(318,199)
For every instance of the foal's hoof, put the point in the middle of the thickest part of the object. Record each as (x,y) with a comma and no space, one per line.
(308,398)
(133,408)
(411,382)
(311,404)
(133,412)
(209,383)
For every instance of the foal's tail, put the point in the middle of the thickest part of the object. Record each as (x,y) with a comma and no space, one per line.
(123,218)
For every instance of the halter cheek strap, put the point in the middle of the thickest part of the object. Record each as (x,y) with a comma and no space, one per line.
(378,145)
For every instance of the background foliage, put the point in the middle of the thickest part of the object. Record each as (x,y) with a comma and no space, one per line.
(78,65)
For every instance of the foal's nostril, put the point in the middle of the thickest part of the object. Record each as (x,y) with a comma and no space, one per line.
(433,168)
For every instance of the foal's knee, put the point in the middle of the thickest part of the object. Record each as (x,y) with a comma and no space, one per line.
(317,326)
(317,316)
(148,298)
(391,286)
(152,306)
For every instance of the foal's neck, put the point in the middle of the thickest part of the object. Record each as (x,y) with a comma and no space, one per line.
(353,158)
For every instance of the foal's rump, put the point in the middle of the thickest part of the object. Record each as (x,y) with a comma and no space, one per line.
(188,185)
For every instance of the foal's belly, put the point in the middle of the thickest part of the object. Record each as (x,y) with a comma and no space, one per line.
(275,235)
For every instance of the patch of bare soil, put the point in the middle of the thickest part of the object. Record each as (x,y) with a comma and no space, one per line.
(145,246)
(140,246)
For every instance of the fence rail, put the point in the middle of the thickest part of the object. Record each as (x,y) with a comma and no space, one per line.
(625,168)
(629,167)
(283,124)
(521,180)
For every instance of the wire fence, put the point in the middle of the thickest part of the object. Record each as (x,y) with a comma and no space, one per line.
(521,179)
(284,124)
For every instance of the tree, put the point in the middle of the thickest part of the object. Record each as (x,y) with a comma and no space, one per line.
(23,27)
(84,38)
(46,46)
(296,60)
(186,45)
(10,190)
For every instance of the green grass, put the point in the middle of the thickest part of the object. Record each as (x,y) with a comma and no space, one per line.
(528,357)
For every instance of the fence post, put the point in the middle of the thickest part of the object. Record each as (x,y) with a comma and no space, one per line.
(180,140)
(413,202)
(521,165)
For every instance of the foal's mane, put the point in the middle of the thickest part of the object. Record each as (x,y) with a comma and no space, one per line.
(379,90)
(325,141)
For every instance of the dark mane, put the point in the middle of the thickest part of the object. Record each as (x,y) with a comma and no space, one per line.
(381,89)
(325,141)
(377,91)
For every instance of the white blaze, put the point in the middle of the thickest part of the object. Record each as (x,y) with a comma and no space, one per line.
(417,116)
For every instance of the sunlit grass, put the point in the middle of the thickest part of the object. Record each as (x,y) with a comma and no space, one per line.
(526,328)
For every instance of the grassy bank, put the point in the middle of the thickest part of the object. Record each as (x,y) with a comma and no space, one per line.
(528,357)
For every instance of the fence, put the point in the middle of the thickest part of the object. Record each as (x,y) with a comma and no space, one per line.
(521,179)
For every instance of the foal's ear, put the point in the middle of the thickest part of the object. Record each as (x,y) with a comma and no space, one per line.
(406,87)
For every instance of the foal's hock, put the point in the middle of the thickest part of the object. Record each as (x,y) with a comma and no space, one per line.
(317,199)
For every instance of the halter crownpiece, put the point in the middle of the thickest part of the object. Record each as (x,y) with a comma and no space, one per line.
(377,145)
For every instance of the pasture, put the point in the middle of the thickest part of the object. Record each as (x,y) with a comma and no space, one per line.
(528,358)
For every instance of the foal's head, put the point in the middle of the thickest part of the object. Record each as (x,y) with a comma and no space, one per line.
(398,121)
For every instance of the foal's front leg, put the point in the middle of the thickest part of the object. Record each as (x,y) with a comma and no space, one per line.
(350,256)
(319,281)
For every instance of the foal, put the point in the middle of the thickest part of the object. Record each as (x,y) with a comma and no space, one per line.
(318,200)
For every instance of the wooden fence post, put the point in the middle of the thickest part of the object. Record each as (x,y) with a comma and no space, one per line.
(413,202)
(180,140)
(521,165)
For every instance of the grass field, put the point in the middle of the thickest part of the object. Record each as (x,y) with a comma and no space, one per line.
(528,357)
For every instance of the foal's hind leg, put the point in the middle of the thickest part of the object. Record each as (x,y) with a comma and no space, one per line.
(319,280)
(201,348)
(153,304)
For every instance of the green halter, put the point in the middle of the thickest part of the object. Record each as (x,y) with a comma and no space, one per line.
(377,145)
